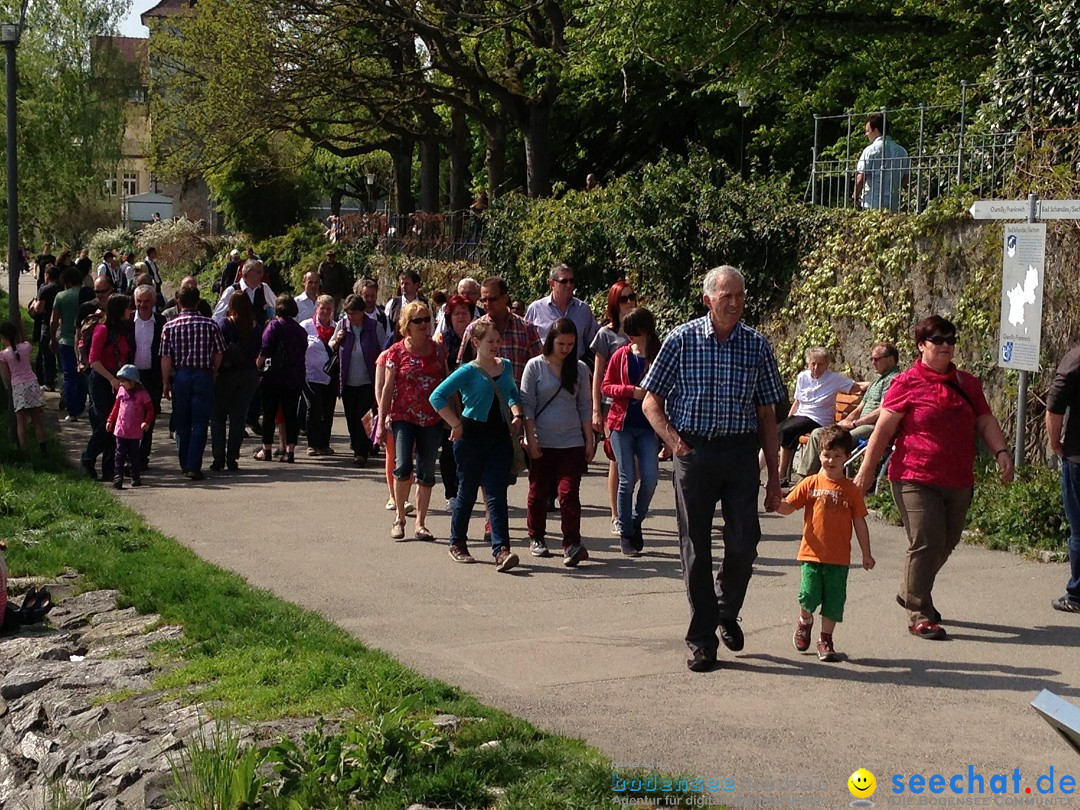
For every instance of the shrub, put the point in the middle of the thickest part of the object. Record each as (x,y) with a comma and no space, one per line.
(1027,514)
(662,227)
(111,239)
(287,257)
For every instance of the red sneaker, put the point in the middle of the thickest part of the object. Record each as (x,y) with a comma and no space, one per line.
(825,651)
(801,639)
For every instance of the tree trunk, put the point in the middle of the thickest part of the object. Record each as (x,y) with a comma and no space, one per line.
(335,201)
(495,158)
(402,155)
(429,175)
(537,151)
(458,156)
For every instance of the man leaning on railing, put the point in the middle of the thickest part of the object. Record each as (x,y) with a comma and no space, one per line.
(882,168)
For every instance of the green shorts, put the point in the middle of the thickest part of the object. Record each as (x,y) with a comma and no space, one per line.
(826,585)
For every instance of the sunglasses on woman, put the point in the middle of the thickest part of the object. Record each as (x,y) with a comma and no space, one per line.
(937,340)
(627,297)
(417,321)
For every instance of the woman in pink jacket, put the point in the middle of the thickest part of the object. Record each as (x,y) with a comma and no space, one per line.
(632,438)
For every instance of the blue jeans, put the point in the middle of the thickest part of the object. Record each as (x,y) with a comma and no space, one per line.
(193,404)
(1070,496)
(75,384)
(482,462)
(425,441)
(642,444)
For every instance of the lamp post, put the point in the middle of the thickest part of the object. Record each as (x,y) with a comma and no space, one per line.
(9,36)
(742,96)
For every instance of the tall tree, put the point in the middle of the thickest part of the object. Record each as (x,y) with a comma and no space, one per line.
(71,99)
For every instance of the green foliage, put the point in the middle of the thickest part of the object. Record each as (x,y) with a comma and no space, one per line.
(287,257)
(115,239)
(1027,513)
(71,101)
(262,191)
(218,773)
(365,759)
(661,227)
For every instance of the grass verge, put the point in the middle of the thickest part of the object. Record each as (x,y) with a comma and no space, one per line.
(252,656)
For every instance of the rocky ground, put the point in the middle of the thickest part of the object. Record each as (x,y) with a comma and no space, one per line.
(82,725)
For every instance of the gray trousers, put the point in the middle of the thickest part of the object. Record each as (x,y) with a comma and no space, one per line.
(934,521)
(726,471)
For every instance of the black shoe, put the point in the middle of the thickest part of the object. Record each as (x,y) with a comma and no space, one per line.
(1066,604)
(638,541)
(118,483)
(731,634)
(703,661)
(136,482)
(217,466)
(194,475)
(232,466)
(88,468)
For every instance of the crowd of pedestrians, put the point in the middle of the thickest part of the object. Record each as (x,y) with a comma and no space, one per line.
(475,393)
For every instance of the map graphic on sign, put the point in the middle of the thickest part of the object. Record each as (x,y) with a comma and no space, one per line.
(1021,295)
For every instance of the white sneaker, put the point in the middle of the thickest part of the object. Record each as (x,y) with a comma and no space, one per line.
(409,508)
(450,506)
(70,418)
(390,507)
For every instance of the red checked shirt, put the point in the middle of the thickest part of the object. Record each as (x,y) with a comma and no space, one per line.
(191,340)
(520,342)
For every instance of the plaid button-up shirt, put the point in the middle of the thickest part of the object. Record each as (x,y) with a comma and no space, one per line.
(191,340)
(520,343)
(712,387)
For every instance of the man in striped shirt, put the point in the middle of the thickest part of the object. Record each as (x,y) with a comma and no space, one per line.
(191,352)
(711,396)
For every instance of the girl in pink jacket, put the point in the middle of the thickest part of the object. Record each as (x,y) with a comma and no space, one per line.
(130,418)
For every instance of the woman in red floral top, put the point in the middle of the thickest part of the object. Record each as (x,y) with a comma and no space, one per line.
(415,365)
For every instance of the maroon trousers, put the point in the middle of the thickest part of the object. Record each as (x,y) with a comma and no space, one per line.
(558,470)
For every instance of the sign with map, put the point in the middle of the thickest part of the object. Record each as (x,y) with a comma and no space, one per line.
(1023,266)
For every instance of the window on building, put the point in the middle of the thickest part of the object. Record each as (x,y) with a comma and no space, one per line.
(137,95)
(131,184)
(110,186)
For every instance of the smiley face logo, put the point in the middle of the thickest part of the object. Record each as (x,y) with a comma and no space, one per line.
(862,784)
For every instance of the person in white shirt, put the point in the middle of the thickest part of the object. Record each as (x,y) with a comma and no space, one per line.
(814,405)
(151,266)
(305,302)
(258,292)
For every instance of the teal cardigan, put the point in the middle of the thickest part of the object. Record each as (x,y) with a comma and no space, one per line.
(475,390)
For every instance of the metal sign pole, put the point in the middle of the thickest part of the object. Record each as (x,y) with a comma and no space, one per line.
(1021,392)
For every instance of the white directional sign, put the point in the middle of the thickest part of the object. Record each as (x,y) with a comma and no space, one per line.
(1023,266)
(999,209)
(1059,209)
(1018,209)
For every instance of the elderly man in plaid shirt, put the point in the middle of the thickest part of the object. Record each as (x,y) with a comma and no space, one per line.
(711,396)
(191,352)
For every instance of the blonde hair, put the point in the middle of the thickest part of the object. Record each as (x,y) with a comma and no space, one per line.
(411,310)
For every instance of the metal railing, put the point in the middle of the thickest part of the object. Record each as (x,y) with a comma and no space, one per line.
(942,155)
(450,236)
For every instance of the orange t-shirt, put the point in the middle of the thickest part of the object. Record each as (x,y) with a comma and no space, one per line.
(830,508)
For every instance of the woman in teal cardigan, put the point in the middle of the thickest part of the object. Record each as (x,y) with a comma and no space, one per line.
(482,441)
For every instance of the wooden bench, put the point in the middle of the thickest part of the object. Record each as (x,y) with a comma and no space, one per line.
(845,404)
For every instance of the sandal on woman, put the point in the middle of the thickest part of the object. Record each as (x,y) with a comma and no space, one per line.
(423,534)
(397,531)
(261,455)
(288,458)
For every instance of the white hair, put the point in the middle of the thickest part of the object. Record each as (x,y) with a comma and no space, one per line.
(818,351)
(712,278)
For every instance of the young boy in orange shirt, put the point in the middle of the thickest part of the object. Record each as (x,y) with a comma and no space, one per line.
(832,505)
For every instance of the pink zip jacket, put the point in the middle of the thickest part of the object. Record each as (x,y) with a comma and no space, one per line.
(130,410)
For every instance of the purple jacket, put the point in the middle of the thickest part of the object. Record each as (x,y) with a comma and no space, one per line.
(294,338)
(369,345)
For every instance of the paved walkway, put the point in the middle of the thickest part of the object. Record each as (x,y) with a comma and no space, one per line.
(597,652)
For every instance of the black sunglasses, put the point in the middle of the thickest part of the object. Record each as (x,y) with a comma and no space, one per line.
(628,297)
(565,281)
(937,340)
(425,319)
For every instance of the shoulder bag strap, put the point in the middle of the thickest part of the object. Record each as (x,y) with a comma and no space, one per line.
(507,416)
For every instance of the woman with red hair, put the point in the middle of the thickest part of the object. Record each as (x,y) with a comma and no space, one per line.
(621,300)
